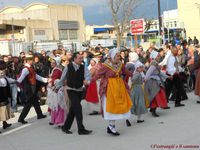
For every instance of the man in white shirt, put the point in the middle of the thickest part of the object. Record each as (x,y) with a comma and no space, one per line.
(173,71)
(28,77)
(167,54)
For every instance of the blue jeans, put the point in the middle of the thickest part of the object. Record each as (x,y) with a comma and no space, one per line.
(13,88)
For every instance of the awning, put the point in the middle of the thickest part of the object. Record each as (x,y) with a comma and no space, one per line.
(102,29)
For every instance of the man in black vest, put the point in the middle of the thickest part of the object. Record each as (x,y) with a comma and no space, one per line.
(28,77)
(76,75)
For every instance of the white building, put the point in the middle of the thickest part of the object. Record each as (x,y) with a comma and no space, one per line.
(100,32)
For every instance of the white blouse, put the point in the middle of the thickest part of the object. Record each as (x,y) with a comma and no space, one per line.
(3,82)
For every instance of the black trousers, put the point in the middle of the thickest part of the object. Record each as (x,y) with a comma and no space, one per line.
(75,110)
(30,95)
(175,82)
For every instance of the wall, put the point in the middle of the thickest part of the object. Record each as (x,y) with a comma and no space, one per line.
(189,13)
(44,17)
(67,13)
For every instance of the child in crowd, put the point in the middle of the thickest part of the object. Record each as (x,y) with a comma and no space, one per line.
(137,92)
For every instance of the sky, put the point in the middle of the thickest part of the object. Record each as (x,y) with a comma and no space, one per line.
(97,11)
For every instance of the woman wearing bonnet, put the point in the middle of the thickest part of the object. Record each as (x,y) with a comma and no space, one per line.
(137,94)
(56,99)
(5,110)
(154,86)
(115,99)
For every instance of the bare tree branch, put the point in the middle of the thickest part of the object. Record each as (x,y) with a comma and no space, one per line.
(122,12)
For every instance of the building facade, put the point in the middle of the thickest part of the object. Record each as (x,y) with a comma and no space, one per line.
(100,32)
(189,13)
(42,22)
(172,27)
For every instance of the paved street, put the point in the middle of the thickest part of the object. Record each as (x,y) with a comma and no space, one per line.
(175,126)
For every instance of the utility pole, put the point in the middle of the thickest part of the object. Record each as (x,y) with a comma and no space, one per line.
(160,21)
(13,38)
(168,20)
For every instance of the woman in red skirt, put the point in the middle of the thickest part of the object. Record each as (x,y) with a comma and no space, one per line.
(154,86)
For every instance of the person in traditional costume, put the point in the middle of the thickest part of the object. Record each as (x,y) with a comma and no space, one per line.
(130,66)
(28,78)
(133,58)
(154,86)
(92,96)
(116,102)
(65,60)
(56,100)
(76,75)
(5,109)
(137,93)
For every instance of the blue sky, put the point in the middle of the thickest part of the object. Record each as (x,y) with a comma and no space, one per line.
(97,11)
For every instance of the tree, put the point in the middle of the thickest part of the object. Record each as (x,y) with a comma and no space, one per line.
(122,12)
(148,24)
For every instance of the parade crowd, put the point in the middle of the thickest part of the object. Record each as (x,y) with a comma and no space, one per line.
(120,83)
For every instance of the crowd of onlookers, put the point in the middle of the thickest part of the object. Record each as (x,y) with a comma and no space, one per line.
(188,52)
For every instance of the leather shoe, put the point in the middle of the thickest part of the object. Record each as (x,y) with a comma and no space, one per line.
(94,113)
(166,107)
(155,114)
(128,124)
(140,121)
(50,123)
(179,105)
(42,116)
(6,125)
(113,133)
(84,132)
(198,102)
(22,121)
(66,131)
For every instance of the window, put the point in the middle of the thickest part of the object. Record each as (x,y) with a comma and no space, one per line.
(171,24)
(68,34)
(68,30)
(39,32)
(73,35)
(63,34)
(175,24)
(167,24)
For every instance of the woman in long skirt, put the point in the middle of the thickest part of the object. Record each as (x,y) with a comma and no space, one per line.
(154,86)
(5,110)
(56,100)
(137,93)
(116,102)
